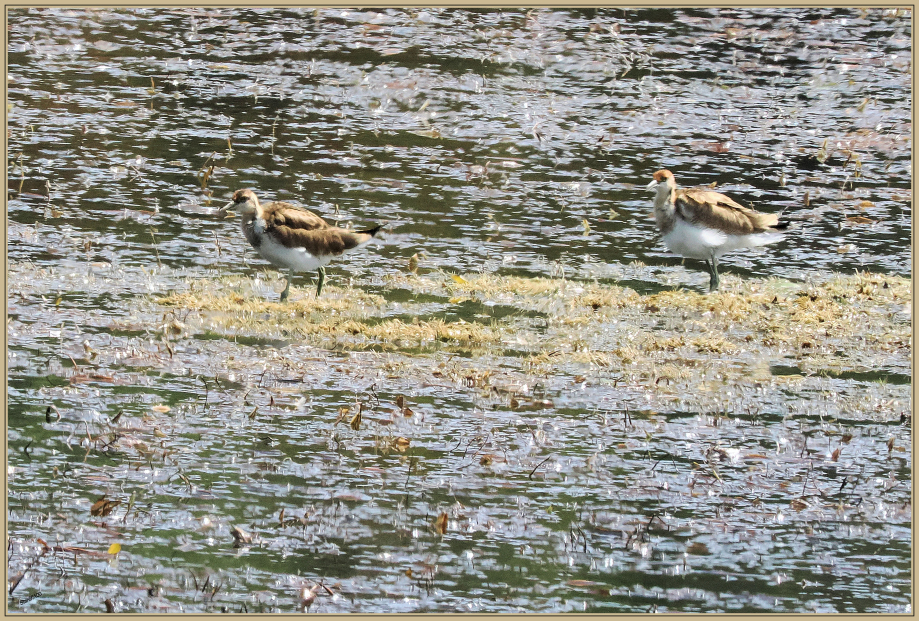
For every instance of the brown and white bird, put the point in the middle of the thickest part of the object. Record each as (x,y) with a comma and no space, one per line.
(292,238)
(701,224)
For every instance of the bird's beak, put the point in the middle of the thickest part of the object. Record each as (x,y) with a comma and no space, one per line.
(225,211)
(653,184)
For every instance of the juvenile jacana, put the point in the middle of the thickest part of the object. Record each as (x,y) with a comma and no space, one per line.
(702,224)
(293,238)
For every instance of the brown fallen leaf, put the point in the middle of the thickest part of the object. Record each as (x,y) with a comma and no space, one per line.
(77,550)
(356,420)
(103,507)
(440,524)
(582,583)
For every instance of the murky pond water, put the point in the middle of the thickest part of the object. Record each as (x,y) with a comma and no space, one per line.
(567,423)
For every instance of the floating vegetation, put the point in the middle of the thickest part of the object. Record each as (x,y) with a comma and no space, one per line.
(342,313)
(859,322)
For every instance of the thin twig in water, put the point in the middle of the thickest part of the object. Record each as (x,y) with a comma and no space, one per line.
(273,139)
(538,465)
(203,381)
(484,444)
(155,248)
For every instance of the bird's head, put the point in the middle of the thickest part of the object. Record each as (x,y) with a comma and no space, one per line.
(244,202)
(663,179)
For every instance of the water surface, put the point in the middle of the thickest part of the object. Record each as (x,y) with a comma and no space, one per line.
(512,143)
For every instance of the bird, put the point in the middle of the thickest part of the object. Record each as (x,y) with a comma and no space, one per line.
(699,223)
(293,238)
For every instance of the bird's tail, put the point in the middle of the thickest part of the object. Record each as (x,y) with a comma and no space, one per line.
(373,232)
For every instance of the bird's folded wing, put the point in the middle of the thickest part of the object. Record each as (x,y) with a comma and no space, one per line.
(709,209)
(318,242)
(293,217)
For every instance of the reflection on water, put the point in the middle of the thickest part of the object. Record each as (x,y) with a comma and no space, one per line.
(512,142)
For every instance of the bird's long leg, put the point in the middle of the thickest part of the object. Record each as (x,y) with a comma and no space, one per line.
(714,281)
(321,280)
(286,292)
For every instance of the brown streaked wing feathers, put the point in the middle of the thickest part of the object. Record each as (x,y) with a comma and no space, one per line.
(298,228)
(285,214)
(717,211)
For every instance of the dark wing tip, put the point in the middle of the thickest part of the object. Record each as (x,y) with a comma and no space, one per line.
(373,232)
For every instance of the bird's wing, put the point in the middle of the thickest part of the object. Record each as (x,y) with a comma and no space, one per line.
(715,210)
(292,217)
(294,227)
(320,242)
